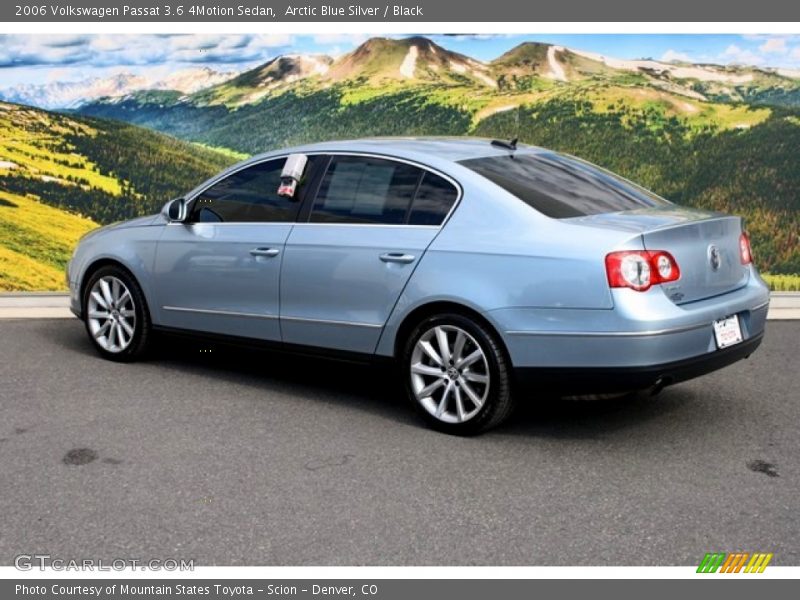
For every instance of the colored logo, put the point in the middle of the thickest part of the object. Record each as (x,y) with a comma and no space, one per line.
(737,562)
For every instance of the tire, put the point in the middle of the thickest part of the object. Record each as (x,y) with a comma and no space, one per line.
(128,317)
(478,392)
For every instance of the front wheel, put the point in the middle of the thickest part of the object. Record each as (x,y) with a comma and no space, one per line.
(115,314)
(457,375)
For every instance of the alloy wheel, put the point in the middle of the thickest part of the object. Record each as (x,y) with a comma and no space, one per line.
(111,314)
(449,374)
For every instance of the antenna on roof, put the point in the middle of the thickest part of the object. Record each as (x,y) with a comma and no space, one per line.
(512,145)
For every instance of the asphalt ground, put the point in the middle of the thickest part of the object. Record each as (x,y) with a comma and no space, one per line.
(246,458)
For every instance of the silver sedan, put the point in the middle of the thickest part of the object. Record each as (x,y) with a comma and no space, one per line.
(473,264)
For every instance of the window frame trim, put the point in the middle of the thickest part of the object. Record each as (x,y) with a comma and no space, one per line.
(307,205)
(230,172)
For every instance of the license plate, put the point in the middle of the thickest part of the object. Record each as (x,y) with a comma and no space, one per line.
(727,331)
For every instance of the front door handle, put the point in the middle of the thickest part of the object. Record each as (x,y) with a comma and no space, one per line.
(397,257)
(269,252)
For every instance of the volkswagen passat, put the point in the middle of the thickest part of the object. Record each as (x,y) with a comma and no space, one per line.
(473,264)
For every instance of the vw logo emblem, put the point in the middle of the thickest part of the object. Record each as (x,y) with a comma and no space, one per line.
(714,257)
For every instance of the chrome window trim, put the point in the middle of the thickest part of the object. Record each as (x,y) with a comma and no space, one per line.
(317,224)
(192,196)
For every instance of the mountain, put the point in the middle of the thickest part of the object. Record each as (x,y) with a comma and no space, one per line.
(377,62)
(382,65)
(61,175)
(522,64)
(721,137)
(414,59)
(252,85)
(189,81)
(57,94)
(731,83)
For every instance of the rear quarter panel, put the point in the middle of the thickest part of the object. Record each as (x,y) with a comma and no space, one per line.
(496,252)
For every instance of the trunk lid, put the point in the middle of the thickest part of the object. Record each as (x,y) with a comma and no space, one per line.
(704,244)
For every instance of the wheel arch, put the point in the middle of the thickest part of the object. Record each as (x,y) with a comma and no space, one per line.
(429,309)
(98,264)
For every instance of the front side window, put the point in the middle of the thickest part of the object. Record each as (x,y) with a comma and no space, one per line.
(561,186)
(358,189)
(247,196)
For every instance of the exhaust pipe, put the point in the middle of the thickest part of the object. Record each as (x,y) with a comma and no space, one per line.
(659,385)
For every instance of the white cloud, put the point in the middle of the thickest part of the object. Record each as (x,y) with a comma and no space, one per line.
(107,50)
(671,55)
(467,37)
(335,51)
(341,38)
(736,55)
(774,46)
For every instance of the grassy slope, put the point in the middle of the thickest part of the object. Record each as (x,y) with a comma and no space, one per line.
(36,241)
(62,175)
(30,139)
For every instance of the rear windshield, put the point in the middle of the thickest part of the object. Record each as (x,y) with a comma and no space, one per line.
(561,186)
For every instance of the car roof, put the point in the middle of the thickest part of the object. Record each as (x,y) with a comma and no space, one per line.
(413,148)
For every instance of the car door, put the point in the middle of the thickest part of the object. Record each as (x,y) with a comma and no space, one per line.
(344,269)
(219,271)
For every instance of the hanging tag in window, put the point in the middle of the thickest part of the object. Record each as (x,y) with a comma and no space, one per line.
(292,174)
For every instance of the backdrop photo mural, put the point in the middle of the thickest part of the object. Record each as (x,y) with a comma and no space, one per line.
(95,129)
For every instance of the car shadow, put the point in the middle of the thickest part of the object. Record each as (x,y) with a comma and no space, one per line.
(378,389)
(373,388)
(595,418)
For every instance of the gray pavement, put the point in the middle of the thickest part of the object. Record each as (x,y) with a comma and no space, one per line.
(241,458)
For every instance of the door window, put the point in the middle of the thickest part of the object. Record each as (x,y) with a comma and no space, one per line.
(247,196)
(359,189)
(435,197)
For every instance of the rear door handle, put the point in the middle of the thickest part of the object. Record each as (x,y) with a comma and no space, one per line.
(397,257)
(269,252)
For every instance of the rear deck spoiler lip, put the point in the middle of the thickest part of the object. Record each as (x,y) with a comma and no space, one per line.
(594,221)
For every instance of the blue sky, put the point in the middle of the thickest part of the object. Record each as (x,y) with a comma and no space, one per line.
(38,59)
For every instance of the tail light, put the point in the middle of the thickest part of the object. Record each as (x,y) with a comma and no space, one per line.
(745,252)
(640,269)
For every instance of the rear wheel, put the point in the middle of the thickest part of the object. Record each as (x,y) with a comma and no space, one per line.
(457,375)
(115,314)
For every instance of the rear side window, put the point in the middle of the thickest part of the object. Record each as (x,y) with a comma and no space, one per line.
(560,186)
(249,195)
(359,189)
(435,197)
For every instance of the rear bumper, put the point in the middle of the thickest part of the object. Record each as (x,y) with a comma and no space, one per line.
(643,329)
(598,380)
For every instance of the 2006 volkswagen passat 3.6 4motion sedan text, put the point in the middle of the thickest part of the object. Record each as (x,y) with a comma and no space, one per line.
(488,271)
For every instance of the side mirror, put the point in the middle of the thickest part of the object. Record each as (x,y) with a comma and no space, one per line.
(175,210)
